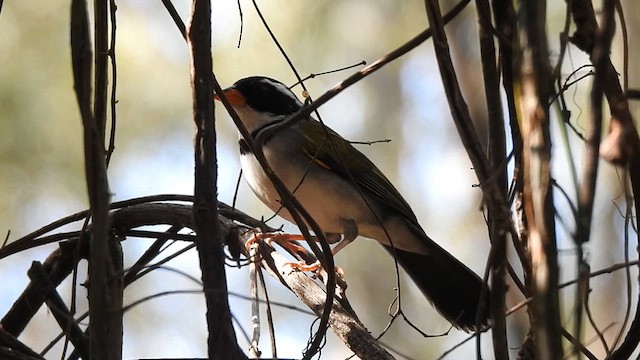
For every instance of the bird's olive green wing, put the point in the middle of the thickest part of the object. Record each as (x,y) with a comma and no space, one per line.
(332,151)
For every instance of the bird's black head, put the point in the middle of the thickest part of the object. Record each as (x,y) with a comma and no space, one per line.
(267,95)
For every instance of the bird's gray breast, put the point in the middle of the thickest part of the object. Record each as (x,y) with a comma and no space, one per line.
(327,197)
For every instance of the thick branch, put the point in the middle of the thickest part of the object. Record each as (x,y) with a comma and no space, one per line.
(105,296)
(343,323)
(222,343)
(535,77)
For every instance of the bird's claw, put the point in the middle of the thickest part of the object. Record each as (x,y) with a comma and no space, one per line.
(284,240)
(287,241)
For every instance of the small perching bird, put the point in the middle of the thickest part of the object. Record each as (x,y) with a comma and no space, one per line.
(347,194)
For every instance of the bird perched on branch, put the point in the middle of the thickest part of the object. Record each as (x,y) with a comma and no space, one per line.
(347,194)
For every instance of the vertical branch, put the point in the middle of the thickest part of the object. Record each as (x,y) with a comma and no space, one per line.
(81,57)
(600,59)
(105,292)
(622,144)
(505,18)
(101,31)
(222,343)
(535,77)
(114,79)
(587,189)
(460,114)
(493,187)
(498,160)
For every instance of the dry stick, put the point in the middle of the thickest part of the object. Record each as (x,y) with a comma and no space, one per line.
(622,144)
(564,40)
(627,220)
(148,255)
(58,266)
(222,342)
(578,345)
(65,319)
(176,17)
(587,188)
(497,157)
(105,297)
(535,88)
(254,350)
(581,291)
(625,47)
(269,312)
(505,16)
(342,321)
(493,192)
(8,341)
(14,354)
(347,327)
(527,301)
(114,81)
(600,61)
(587,308)
(33,239)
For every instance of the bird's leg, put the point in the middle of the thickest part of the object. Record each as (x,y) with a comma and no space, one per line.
(286,241)
(350,233)
(282,239)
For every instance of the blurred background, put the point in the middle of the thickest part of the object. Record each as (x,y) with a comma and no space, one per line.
(41,157)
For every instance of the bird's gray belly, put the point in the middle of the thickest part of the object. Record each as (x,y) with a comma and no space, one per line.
(328,198)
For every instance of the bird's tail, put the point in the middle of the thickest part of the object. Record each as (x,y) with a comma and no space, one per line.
(453,289)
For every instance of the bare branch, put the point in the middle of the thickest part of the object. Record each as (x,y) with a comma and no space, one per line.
(535,77)
(222,343)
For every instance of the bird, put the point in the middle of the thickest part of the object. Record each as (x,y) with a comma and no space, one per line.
(347,196)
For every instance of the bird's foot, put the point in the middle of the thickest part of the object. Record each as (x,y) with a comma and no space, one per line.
(282,239)
(303,266)
(287,241)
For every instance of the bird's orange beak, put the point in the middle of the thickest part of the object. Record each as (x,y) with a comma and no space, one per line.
(235,98)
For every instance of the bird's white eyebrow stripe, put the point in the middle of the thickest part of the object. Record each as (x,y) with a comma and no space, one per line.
(283,89)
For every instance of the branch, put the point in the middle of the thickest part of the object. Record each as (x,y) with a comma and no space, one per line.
(105,293)
(622,144)
(535,81)
(57,267)
(222,342)
(9,344)
(498,159)
(344,324)
(60,312)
